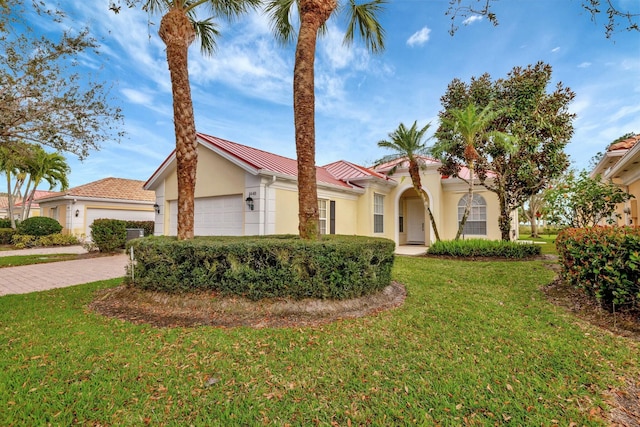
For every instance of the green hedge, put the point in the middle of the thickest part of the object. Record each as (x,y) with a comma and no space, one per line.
(604,262)
(475,248)
(39,226)
(335,267)
(6,234)
(5,223)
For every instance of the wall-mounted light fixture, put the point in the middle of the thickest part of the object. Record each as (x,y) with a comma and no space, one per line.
(77,213)
(249,202)
(627,210)
(157,208)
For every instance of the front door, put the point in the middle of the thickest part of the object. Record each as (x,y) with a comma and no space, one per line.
(415,221)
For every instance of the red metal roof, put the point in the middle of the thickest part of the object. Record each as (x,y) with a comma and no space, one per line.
(267,162)
(349,171)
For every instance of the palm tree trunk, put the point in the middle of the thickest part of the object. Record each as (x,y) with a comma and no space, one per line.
(313,14)
(177,33)
(467,208)
(414,173)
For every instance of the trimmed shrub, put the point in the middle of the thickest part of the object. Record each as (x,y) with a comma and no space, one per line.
(335,267)
(477,248)
(109,235)
(21,241)
(6,234)
(39,226)
(5,223)
(147,226)
(604,262)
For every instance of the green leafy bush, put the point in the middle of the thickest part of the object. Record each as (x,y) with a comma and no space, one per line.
(474,248)
(6,234)
(109,234)
(39,226)
(5,223)
(604,262)
(335,267)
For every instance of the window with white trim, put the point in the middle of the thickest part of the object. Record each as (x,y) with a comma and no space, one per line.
(378,213)
(322,216)
(476,224)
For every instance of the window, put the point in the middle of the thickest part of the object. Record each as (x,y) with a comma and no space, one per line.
(378,213)
(401,217)
(477,221)
(322,214)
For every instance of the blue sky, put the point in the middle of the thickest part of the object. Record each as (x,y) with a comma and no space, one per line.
(243,93)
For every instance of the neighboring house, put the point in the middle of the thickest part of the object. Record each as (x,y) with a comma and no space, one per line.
(17,208)
(113,198)
(621,165)
(241,190)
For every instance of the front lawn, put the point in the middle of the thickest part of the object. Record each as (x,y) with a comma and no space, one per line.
(474,343)
(15,260)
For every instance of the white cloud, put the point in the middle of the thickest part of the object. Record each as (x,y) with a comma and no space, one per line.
(555,49)
(137,97)
(585,64)
(419,38)
(470,20)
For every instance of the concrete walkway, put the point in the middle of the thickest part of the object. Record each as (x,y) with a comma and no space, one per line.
(41,277)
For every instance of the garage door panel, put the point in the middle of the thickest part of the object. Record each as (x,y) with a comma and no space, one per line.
(214,216)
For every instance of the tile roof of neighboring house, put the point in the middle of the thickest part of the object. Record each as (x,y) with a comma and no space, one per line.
(4,202)
(39,194)
(403,163)
(624,144)
(109,188)
(268,162)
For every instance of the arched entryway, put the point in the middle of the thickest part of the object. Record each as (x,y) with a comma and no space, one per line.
(413,221)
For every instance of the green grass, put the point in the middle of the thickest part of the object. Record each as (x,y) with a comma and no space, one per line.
(474,341)
(15,260)
(547,243)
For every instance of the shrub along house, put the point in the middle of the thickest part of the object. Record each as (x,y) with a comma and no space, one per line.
(112,198)
(620,164)
(241,190)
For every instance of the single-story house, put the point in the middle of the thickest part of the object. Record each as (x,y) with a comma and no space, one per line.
(620,165)
(113,198)
(242,190)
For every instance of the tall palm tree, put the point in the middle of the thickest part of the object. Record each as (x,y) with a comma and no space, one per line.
(178,29)
(313,16)
(50,167)
(470,125)
(12,160)
(408,144)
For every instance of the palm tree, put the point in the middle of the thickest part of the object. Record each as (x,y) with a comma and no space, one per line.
(12,160)
(469,126)
(408,144)
(313,16)
(178,29)
(51,167)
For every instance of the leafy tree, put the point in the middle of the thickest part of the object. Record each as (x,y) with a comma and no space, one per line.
(469,126)
(408,144)
(617,17)
(580,201)
(532,210)
(537,123)
(313,15)
(179,28)
(41,99)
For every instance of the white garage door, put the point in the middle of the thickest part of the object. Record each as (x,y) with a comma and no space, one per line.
(214,216)
(95,213)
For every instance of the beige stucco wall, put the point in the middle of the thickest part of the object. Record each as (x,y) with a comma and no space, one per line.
(61,215)
(229,178)
(286,212)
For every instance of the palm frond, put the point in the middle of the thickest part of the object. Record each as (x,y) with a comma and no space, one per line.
(364,18)
(207,32)
(153,7)
(279,13)
(228,9)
